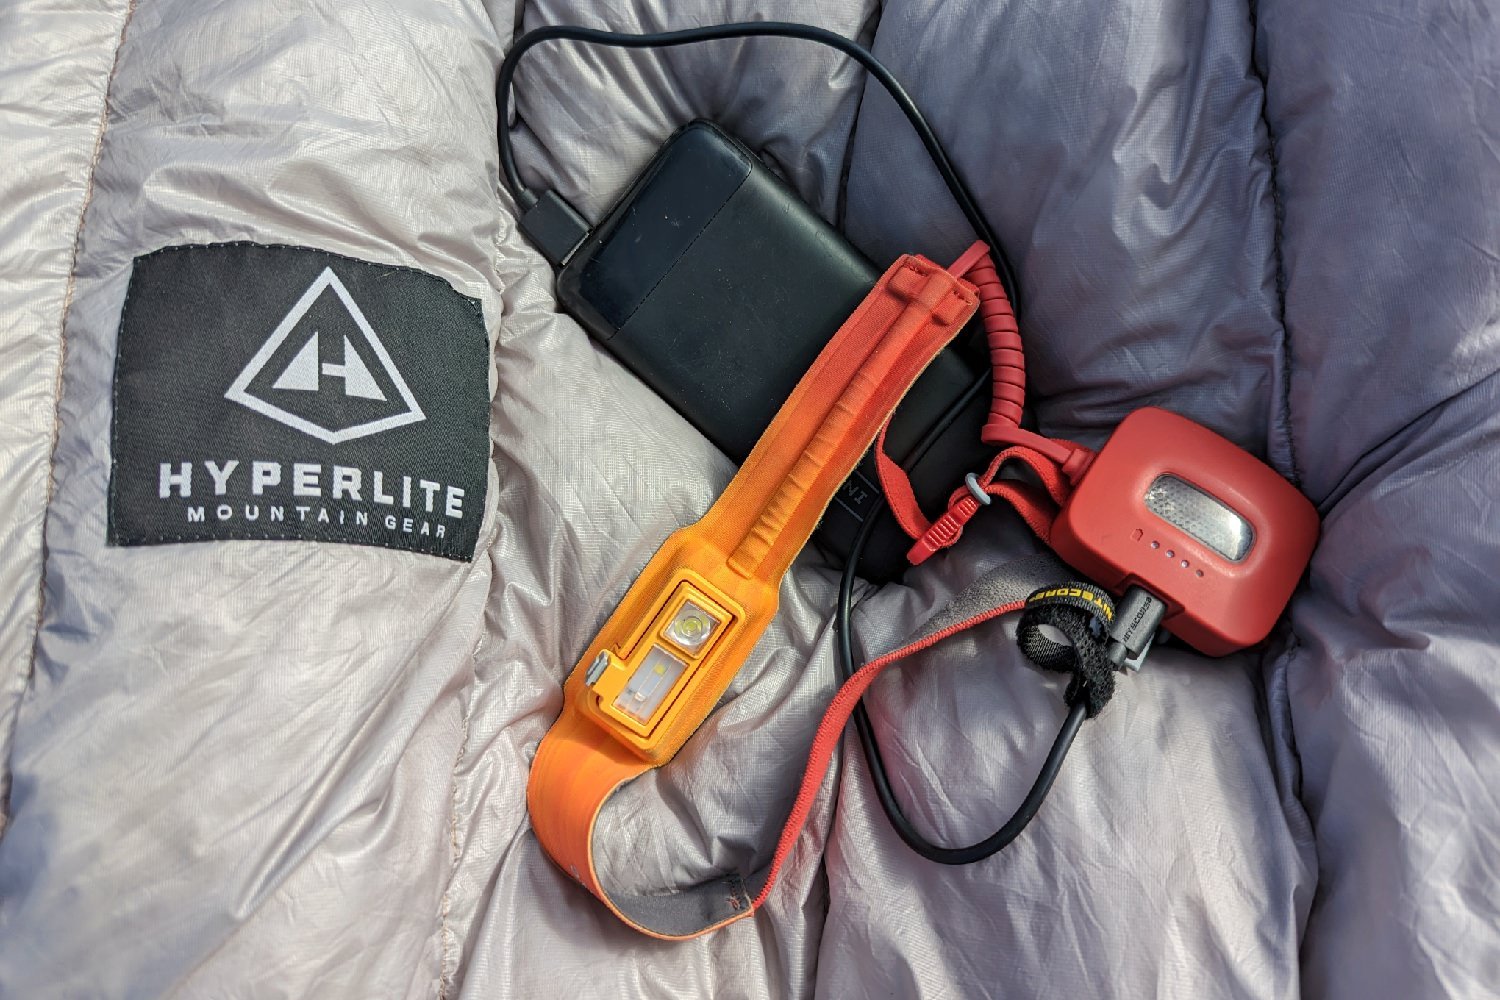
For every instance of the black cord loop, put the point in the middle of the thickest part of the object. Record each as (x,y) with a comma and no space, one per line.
(751,29)
(880,778)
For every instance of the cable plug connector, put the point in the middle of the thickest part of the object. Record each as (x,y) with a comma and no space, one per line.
(554,227)
(1138,615)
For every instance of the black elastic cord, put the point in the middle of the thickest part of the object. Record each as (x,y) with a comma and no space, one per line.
(749,29)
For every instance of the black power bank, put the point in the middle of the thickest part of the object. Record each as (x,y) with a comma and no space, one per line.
(717,286)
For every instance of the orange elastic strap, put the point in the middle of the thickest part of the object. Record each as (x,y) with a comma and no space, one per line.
(756,528)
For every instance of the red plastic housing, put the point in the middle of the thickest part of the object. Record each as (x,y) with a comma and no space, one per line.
(1215,603)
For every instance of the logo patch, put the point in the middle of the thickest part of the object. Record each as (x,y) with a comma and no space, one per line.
(270,392)
(328,324)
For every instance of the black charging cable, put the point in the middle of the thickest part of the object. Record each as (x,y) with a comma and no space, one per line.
(558,229)
(879,777)
(555,223)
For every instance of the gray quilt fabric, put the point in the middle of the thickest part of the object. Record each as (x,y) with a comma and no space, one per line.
(297,769)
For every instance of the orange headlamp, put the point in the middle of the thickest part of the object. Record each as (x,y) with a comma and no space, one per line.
(688,623)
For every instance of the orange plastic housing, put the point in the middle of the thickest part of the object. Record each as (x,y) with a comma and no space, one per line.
(734,558)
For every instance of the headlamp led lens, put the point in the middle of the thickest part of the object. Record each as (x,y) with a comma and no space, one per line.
(649,685)
(1206,518)
(691,628)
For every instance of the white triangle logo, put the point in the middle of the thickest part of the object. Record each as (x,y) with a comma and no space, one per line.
(349,376)
(304,373)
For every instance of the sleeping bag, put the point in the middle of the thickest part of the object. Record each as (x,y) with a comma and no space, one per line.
(311,496)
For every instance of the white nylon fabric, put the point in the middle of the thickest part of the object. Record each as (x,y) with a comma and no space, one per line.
(54,64)
(276,769)
(223,749)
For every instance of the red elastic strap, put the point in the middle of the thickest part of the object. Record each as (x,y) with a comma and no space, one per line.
(1054,479)
(896,485)
(835,719)
(975,265)
(1036,508)
(1038,511)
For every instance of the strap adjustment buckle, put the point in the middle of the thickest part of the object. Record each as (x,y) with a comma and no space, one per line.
(947,529)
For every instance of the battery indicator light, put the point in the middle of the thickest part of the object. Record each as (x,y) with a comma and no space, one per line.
(649,685)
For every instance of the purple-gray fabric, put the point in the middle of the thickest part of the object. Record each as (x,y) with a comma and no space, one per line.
(275,769)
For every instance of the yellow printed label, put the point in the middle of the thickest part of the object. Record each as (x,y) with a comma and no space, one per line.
(1097,600)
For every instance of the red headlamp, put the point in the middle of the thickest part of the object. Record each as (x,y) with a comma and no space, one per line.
(1169,506)
(1211,540)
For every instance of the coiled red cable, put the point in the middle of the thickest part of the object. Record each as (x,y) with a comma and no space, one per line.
(1007,358)
(1008,363)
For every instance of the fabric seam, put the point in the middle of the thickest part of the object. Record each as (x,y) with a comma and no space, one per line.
(446,940)
(1278,216)
(62,363)
(476,306)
